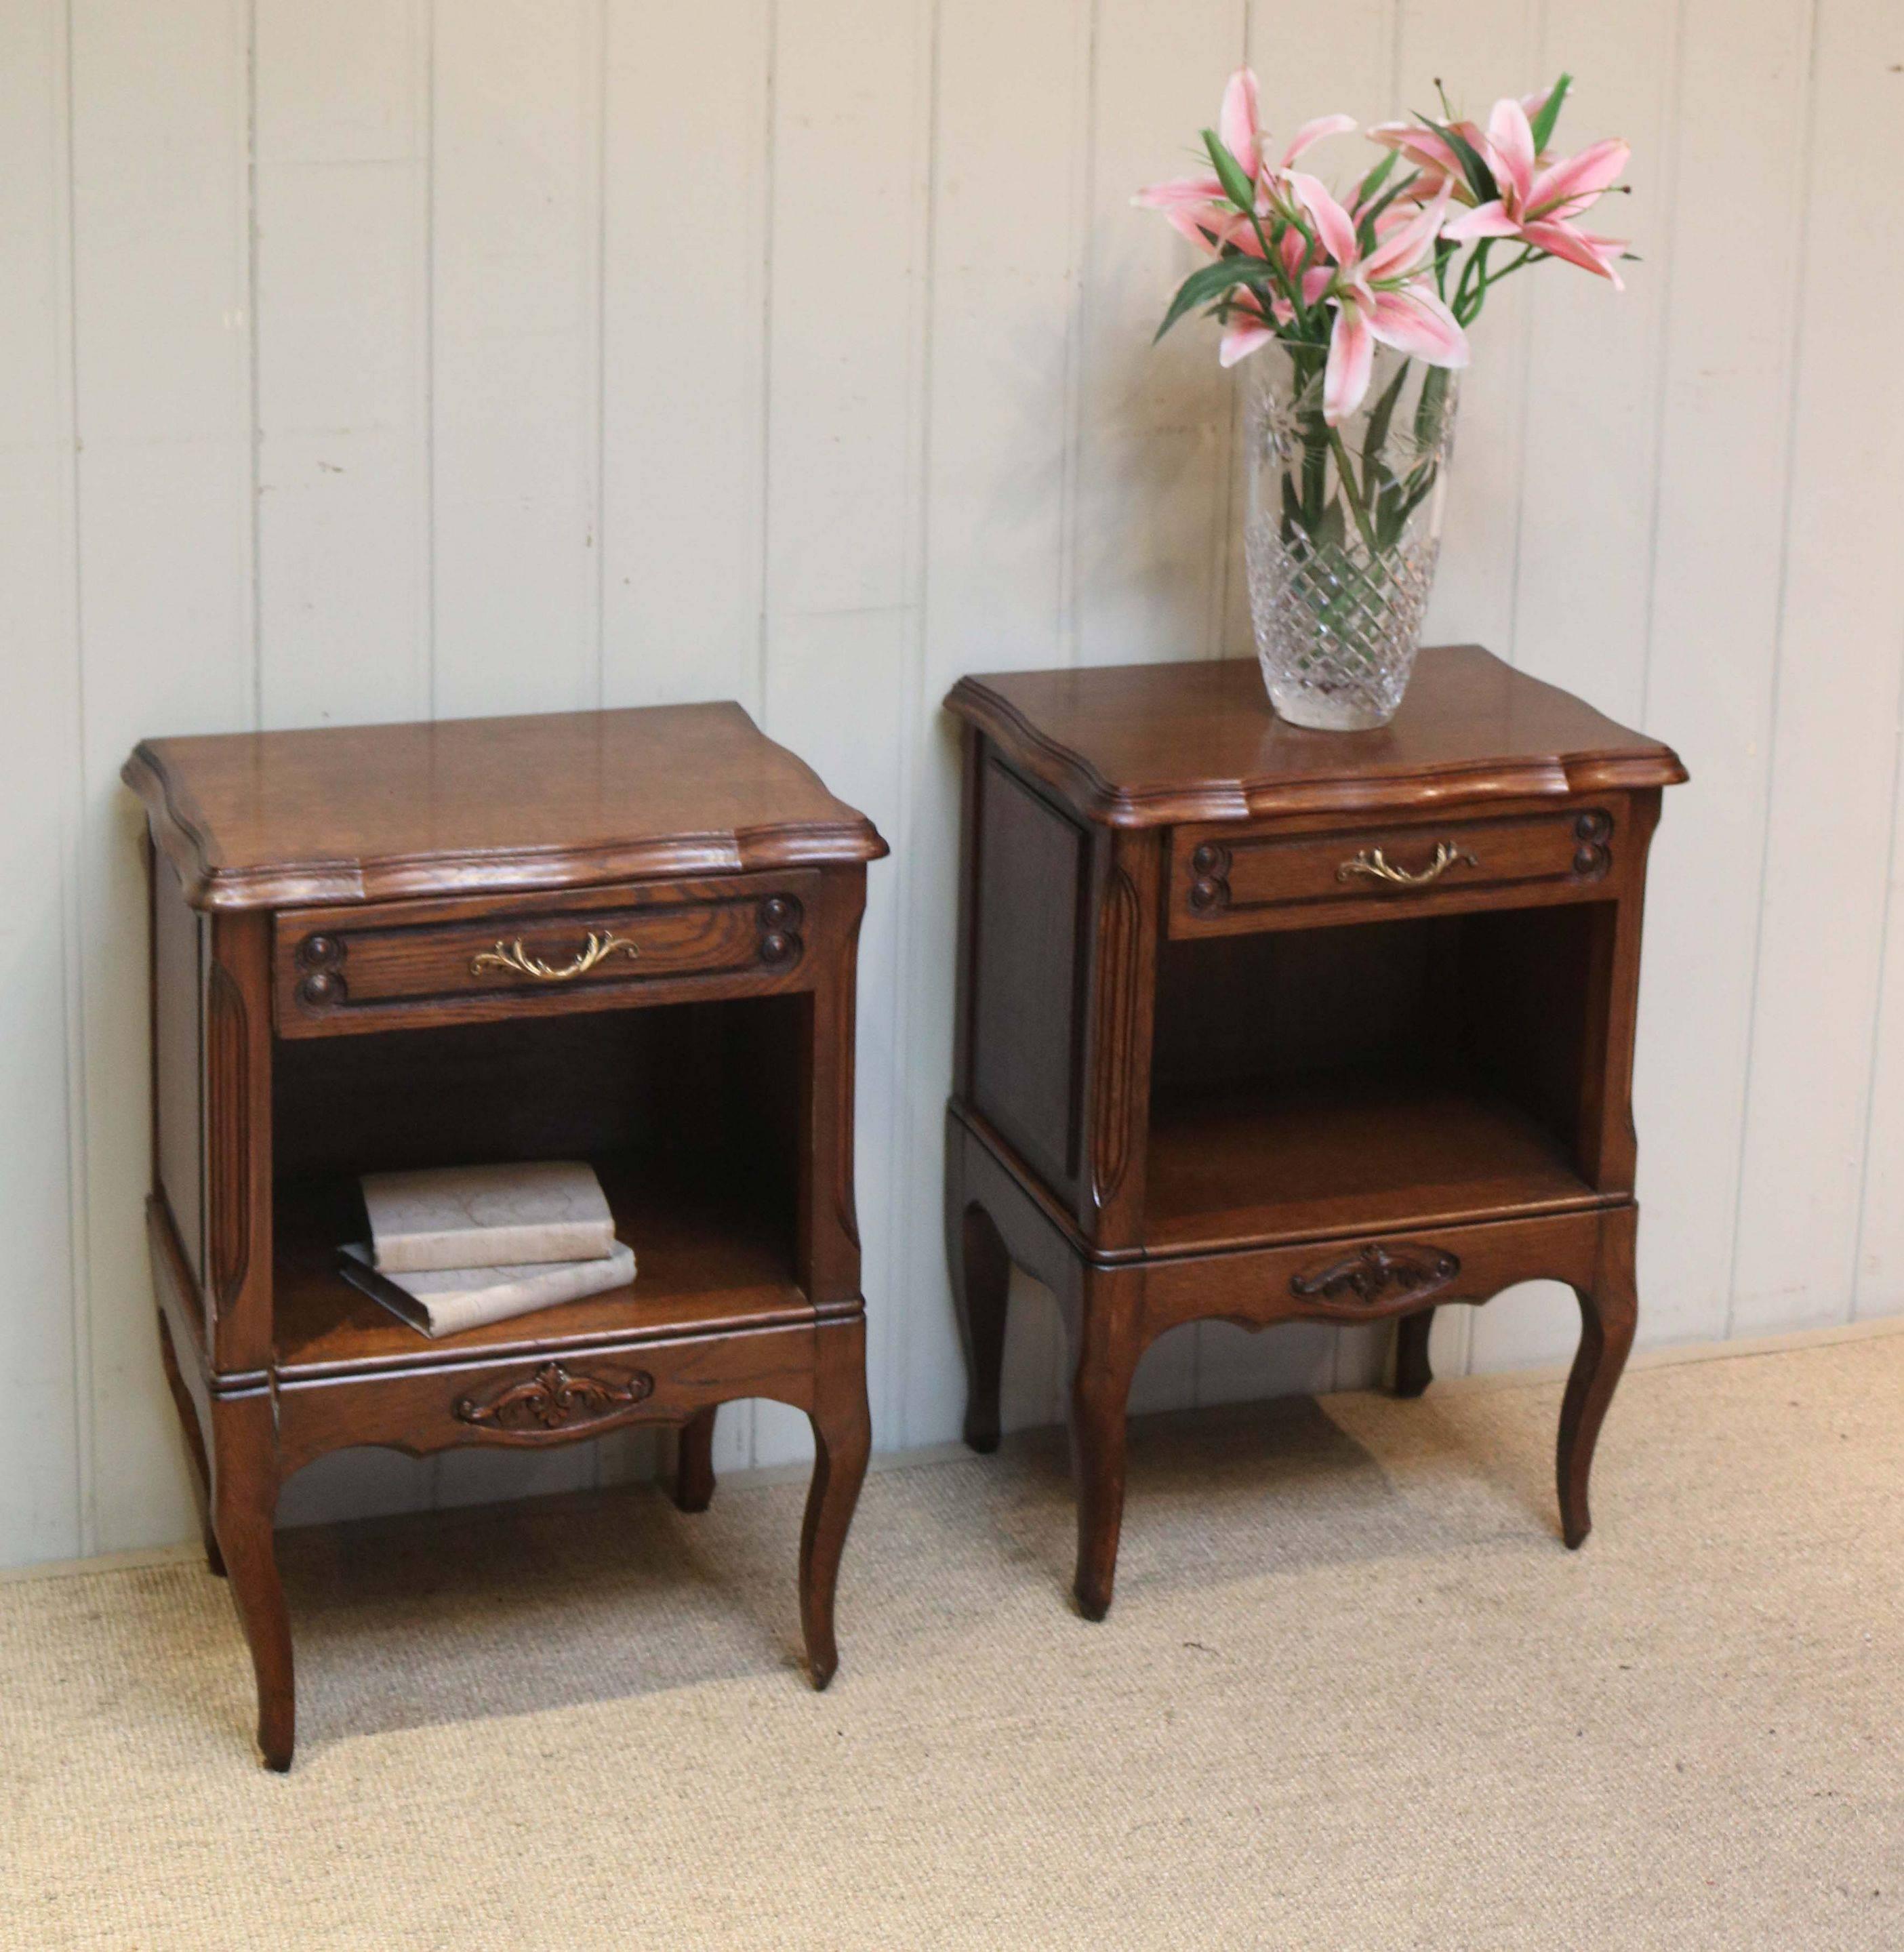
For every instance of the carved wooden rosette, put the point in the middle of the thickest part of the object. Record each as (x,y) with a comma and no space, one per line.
(1379,1277)
(556,1404)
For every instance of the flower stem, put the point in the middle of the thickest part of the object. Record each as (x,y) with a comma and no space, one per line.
(1345,473)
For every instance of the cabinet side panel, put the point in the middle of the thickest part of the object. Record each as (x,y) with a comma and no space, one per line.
(177,1064)
(1029,905)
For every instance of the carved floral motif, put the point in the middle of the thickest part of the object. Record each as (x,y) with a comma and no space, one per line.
(553,1403)
(1378,1276)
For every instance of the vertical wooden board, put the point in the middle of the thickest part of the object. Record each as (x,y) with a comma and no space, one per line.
(1583,581)
(683,352)
(516,150)
(1879,1286)
(1481,49)
(39,1447)
(1154,438)
(515,314)
(1834,744)
(161,278)
(684,379)
(1724,405)
(848,215)
(341,223)
(1309,62)
(1004,337)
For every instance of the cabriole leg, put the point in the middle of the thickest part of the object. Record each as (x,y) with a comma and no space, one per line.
(1412,1372)
(842,1441)
(245,1505)
(694,1462)
(1106,1351)
(1609,1313)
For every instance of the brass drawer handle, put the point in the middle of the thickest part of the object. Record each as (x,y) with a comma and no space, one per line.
(513,957)
(1370,863)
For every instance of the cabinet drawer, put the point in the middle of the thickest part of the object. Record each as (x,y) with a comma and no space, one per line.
(400,964)
(1223,881)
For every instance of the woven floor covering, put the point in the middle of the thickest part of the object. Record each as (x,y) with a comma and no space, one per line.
(1353,1692)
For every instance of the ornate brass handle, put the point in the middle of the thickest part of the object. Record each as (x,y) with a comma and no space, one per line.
(514,957)
(1370,863)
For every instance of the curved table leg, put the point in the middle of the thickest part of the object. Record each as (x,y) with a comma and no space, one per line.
(1609,1313)
(981,1271)
(842,1441)
(1106,1351)
(244,1503)
(1413,1373)
(694,1462)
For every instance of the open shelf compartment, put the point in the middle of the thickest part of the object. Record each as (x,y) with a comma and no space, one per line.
(689,1113)
(1379,1075)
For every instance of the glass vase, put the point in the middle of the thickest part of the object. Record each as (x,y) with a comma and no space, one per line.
(1344,526)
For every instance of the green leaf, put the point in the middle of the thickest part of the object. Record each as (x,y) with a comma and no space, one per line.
(1211,283)
(1229,173)
(1543,123)
(1480,178)
(1380,415)
(1375,178)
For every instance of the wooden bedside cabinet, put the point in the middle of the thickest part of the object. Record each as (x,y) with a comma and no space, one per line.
(626,937)
(1268,1025)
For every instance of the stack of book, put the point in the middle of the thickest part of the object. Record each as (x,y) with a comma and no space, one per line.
(456,1247)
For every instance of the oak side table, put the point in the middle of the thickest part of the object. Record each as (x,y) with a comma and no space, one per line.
(1268,1025)
(628,937)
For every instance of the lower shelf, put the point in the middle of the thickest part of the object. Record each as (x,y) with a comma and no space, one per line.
(709,1255)
(1345,1154)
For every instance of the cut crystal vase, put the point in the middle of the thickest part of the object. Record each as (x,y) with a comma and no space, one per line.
(1344,526)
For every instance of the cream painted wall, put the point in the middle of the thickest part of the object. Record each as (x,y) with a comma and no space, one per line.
(382,358)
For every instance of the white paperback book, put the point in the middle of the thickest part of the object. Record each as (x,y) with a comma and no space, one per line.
(489,1216)
(446,1301)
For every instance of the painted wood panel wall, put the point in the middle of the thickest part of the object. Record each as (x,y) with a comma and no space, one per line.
(398,357)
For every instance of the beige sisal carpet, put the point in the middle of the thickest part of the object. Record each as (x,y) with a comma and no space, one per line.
(1353,1693)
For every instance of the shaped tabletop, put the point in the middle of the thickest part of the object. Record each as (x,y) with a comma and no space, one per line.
(1151,745)
(466,806)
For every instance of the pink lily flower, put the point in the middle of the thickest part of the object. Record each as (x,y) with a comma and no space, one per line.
(1248,327)
(1538,204)
(1197,205)
(1431,153)
(1386,295)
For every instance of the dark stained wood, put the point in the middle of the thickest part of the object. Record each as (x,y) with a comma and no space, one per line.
(1311,1093)
(1225,881)
(1158,745)
(1028,971)
(178,1058)
(569,799)
(708,1075)
(405,964)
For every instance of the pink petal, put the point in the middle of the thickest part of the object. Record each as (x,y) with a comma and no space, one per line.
(1180,190)
(1415,322)
(1351,361)
(1591,254)
(1293,249)
(1510,144)
(1332,225)
(1311,133)
(1584,176)
(1315,281)
(1485,219)
(1243,336)
(1399,251)
(1237,123)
